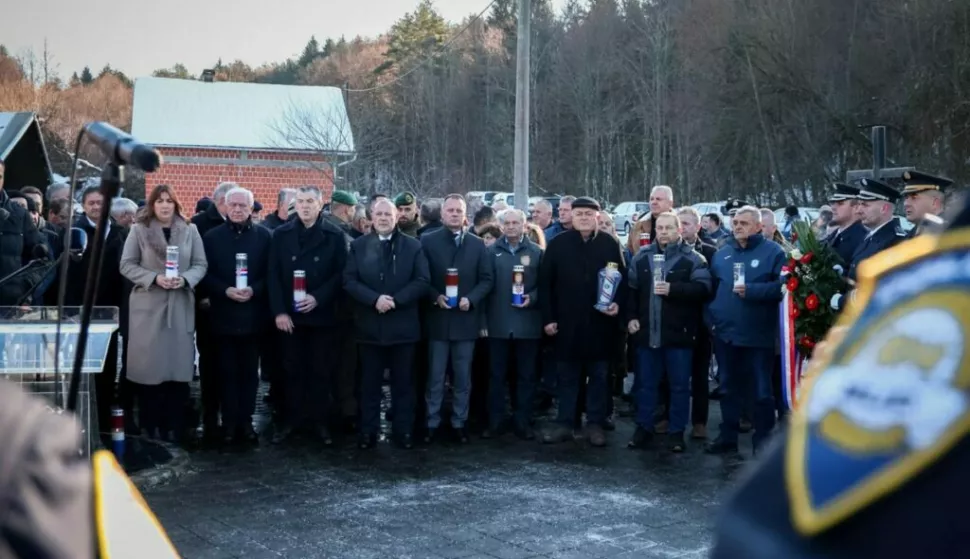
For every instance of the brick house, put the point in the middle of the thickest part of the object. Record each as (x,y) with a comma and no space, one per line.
(264,137)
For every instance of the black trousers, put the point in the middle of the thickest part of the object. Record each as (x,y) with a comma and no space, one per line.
(481,373)
(162,407)
(309,365)
(374,359)
(700,365)
(208,369)
(421,366)
(344,385)
(238,363)
(271,356)
(105,386)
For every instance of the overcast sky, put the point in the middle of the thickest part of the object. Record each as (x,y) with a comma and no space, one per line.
(138,37)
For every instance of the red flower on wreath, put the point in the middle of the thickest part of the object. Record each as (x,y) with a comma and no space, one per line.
(807,258)
(792,284)
(806,342)
(795,312)
(811,302)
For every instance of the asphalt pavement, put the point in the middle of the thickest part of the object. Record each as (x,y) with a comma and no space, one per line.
(500,499)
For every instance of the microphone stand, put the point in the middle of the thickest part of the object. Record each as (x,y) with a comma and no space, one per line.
(111,179)
(22,269)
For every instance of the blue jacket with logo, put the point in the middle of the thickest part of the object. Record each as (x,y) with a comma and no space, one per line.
(751,321)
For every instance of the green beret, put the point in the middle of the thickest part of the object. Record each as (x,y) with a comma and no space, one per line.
(343,197)
(404,199)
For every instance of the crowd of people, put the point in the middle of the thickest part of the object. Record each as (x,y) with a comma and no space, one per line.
(478,318)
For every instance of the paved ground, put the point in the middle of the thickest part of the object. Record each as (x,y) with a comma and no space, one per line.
(502,499)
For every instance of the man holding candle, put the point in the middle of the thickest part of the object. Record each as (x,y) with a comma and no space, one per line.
(386,277)
(306,266)
(581,312)
(514,323)
(744,319)
(668,284)
(461,278)
(238,255)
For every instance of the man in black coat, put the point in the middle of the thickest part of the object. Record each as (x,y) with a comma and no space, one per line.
(878,203)
(568,293)
(850,233)
(282,214)
(387,278)
(455,320)
(213,216)
(18,239)
(111,288)
(308,316)
(703,348)
(240,309)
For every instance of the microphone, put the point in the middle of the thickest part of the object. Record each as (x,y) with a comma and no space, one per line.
(78,241)
(123,146)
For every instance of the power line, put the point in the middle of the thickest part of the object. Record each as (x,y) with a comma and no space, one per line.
(431,56)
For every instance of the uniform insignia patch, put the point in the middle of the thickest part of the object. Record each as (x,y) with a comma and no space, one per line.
(525,260)
(895,396)
(755,262)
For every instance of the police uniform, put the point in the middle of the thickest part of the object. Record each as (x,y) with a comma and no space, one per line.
(55,504)
(846,241)
(888,235)
(916,183)
(874,463)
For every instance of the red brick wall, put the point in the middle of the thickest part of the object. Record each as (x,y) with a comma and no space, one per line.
(192,182)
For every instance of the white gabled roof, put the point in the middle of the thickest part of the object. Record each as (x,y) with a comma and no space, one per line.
(189,113)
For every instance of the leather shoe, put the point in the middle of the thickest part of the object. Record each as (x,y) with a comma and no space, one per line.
(405,442)
(460,435)
(324,435)
(429,436)
(281,434)
(365,442)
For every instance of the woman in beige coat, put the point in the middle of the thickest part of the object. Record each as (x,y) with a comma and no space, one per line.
(161,348)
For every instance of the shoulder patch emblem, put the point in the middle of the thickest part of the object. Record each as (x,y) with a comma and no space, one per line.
(895,395)
(525,260)
(755,262)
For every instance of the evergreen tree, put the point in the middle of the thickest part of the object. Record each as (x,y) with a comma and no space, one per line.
(75,80)
(415,36)
(328,48)
(310,52)
(86,77)
(4,51)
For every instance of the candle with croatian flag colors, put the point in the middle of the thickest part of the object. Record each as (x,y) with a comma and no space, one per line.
(118,433)
(242,271)
(172,262)
(518,285)
(738,274)
(451,286)
(299,286)
(644,239)
(658,268)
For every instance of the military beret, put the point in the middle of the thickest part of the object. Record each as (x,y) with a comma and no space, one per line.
(916,181)
(257,207)
(404,199)
(343,197)
(586,202)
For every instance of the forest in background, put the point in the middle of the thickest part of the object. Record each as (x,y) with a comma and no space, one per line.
(769,100)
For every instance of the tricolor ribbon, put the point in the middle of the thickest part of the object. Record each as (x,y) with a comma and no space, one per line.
(792,362)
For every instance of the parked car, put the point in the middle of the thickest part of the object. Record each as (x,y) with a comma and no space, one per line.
(805,214)
(626,214)
(486,196)
(705,208)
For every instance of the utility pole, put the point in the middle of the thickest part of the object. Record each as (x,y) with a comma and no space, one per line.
(520,174)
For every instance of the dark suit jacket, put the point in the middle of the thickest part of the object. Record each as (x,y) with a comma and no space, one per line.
(322,256)
(110,284)
(846,242)
(399,270)
(474,282)
(222,244)
(889,235)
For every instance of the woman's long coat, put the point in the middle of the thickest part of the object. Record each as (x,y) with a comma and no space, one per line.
(161,345)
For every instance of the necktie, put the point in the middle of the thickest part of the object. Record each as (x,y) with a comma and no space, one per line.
(457,239)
